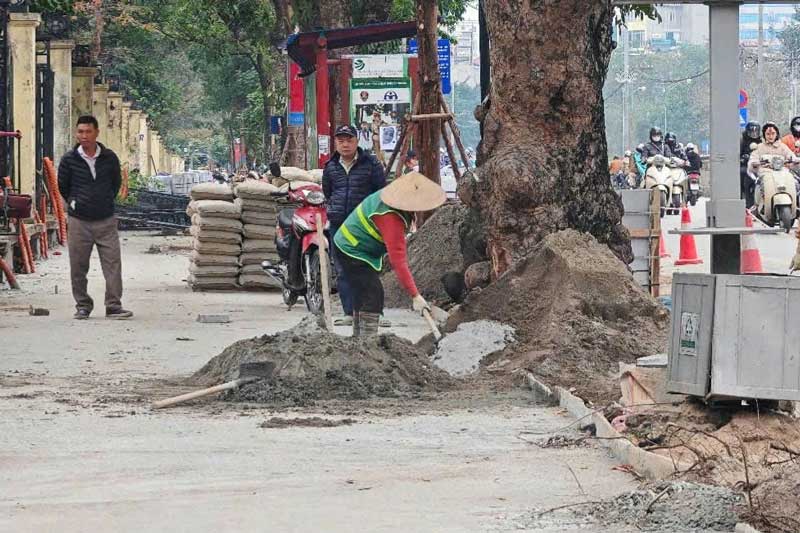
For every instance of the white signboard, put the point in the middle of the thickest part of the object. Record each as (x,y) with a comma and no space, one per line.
(379,66)
(388,136)
(690,326)
(324,144)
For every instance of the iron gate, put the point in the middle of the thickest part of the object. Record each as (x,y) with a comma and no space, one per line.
(44,116)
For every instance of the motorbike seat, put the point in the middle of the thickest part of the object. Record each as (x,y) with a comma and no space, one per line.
(285,218)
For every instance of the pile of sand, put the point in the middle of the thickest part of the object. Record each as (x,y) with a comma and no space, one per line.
(577,313)
(312,364)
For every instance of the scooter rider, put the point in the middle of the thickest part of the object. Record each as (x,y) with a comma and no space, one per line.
(750,135)
(792,139)
(671,140)
(772,145)
(694,164)
(656,146)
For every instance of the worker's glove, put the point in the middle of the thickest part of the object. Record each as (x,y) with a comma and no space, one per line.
(419,304)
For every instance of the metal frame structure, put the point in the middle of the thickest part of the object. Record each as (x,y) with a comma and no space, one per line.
(44,116)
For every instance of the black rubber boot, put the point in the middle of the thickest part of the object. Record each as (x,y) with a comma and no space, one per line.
(368,323)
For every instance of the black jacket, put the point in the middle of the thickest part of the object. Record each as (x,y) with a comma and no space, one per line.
(652,149)
(344,191)
(89,198)
(695,164)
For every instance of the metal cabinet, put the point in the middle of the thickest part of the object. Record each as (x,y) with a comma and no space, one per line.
(733,336)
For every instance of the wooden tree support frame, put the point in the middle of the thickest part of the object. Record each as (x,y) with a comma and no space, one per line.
(411,128)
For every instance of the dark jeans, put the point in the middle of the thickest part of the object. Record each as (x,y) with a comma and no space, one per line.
(748,187)
(365,284)
(342,283)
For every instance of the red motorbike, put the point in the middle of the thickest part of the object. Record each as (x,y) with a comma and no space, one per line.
(297,241)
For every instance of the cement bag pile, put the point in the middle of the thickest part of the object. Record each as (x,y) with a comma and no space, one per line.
(217,244)
(294,175)
(259,216)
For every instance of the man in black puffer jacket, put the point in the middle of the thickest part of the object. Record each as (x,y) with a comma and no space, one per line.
(350,176)
(89,179)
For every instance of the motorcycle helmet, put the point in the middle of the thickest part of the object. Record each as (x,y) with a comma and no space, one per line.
(628,153)
(753,130)
(690,147)
(796,125)
(655,134)
(670,139)
(640,149)
(768,125)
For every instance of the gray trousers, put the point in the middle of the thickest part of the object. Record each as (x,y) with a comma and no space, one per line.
(82,236)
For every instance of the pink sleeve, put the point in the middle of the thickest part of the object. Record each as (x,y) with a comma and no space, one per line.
(393,231)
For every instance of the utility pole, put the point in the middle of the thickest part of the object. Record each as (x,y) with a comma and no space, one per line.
(760,66)
(625,88)
(430,88)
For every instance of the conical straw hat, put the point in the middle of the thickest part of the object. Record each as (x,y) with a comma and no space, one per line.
(413,192)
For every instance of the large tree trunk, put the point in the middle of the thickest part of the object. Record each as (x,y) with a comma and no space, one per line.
(543,165)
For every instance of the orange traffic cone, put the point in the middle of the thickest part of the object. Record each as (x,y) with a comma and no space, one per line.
(662,246)
(688,253)
(751,257)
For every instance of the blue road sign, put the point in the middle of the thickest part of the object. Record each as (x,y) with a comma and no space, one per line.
(742,117)
(444,61)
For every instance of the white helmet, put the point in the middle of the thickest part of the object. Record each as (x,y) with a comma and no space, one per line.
(691,147)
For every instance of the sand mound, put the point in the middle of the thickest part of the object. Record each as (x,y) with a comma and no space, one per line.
(577,312)
(312,365)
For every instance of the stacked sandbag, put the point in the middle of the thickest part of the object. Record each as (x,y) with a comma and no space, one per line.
(217,231)
(295,175)
(259,216)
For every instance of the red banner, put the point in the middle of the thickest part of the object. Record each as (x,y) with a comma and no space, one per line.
(296,92)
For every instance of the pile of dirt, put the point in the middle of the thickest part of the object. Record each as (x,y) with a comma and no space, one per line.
(435,250)
(663,507)
(577,313)
(312,364)
(753,450)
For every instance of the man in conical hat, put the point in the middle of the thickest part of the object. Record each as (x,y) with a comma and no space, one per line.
(378,227)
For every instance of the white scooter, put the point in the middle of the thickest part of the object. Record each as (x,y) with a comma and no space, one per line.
(679,183)
(776,195)
(658,178)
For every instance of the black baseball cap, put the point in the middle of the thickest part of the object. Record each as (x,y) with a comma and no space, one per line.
(411,154)
(346,129)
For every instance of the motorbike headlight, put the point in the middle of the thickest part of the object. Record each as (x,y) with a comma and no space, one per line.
(777,163)
(299,222)
(315,198)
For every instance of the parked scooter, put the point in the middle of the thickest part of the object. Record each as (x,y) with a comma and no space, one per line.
(296,239)
(658,179)
(679,183)
(776,193)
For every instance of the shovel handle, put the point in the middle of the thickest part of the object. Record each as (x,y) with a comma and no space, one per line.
(175,400)
(432,324)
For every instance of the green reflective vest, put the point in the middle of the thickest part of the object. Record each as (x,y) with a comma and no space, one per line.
(359,237)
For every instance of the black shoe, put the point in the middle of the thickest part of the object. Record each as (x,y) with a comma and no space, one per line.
(81,314)
(118,314)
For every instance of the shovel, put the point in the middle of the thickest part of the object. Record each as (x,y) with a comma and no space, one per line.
(437,335)
(248,373)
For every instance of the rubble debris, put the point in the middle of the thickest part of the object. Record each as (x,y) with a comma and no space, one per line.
(305,422)
(460,352)
(313,365)
(662,507)
(214,319)
(577,313)
(38,311)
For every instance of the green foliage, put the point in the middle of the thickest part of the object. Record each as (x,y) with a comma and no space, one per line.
(137,181)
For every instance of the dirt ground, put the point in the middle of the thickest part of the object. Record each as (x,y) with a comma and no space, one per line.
(81,450)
